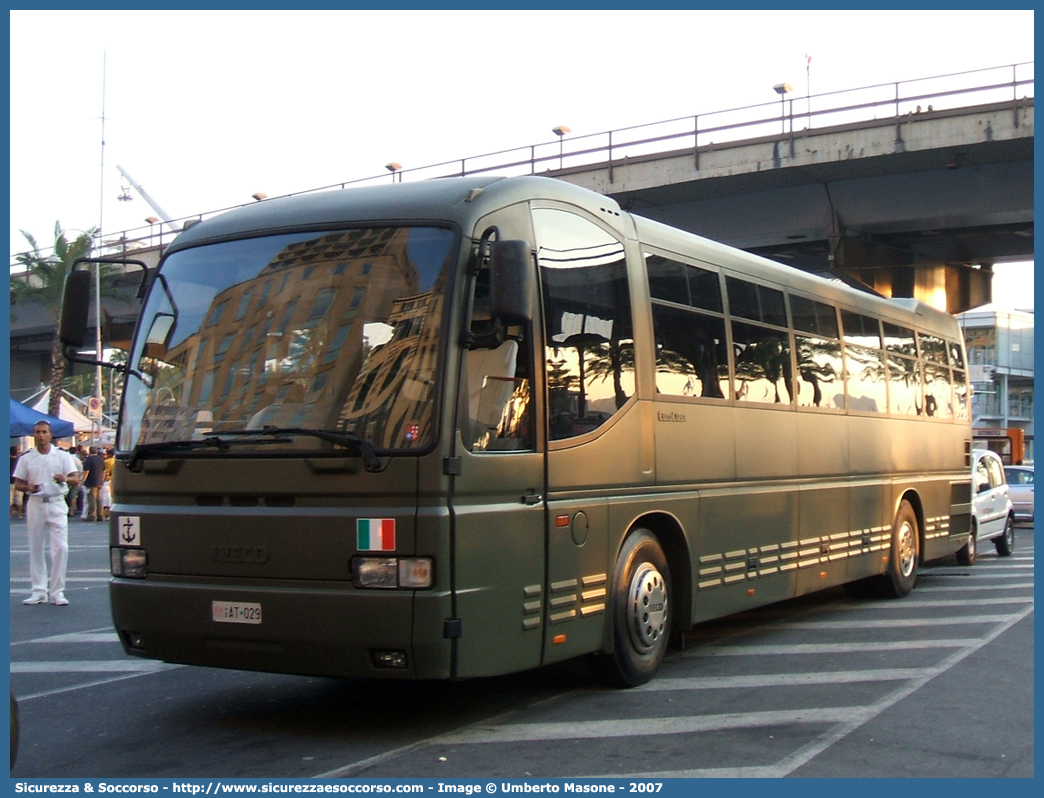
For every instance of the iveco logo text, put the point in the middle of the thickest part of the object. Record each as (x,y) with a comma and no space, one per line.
(671,416)
(243,554)
(656,608)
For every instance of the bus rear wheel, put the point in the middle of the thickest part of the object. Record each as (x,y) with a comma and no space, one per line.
(901,575)
(641,612)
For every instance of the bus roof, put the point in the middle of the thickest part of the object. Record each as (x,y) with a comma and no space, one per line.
(459,200)
(463,200)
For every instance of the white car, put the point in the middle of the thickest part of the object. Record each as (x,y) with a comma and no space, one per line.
(1020,481)
(993,517)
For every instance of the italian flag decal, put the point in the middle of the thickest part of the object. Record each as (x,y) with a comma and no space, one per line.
(375,534)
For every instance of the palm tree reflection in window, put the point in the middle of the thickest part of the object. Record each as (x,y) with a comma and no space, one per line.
(866,379)
(904,378)
(587,316)
(763,372)
(819,366)
(691,354)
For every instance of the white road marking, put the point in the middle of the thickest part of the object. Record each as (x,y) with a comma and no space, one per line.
(895,623)
(992,563)
(641,727)
(791,763)
(844,720)
(108,636)
(68,580)
(780,679)
(90,666)
(971,588)
(824,648)
(24,591)
(59,690)
(851,719)
(72,547)
(932,577)
(913,603)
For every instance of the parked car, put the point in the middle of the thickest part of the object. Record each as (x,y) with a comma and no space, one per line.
(1020,482)
(993,517)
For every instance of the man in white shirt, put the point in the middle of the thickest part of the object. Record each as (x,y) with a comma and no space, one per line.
(45,474)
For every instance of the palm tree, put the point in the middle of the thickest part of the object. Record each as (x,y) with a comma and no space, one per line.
(44,282)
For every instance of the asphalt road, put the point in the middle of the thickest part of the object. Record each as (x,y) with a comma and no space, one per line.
(938,684)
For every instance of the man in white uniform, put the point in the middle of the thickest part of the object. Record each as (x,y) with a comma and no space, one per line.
(45,474)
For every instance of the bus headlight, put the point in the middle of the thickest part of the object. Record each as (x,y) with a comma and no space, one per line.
(389,573)
(127,563)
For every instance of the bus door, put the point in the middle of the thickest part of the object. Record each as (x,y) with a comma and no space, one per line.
(593,425)
(498,546)
(498,501)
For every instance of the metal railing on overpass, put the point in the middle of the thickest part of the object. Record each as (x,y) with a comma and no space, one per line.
(790,116)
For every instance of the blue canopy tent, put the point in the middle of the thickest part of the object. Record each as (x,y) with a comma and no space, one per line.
(23,418)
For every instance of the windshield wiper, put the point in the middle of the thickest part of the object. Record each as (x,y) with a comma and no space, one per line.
(270,434)
(134,461)
(370,459)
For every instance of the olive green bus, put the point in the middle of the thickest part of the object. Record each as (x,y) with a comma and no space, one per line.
(471,426)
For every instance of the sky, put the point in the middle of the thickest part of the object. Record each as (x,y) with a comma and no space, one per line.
(205,108)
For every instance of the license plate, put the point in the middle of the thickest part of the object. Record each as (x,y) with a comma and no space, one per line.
(235,612)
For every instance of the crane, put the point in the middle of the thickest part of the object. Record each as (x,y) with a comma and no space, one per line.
(175,226)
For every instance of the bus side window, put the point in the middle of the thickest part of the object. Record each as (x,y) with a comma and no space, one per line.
(587,322)
(818,351)
(496,387)
(960,395)
(692,357)
(866,383)
(905,392)
(499,399)
(762,357)
(761,354)
(938,387)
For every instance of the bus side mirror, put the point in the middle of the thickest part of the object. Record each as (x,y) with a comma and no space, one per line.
(511,281)
(76,307)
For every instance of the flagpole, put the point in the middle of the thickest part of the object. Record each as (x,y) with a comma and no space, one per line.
(808,88)
(97,275)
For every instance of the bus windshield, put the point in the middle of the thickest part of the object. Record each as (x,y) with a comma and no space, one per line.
(302,333)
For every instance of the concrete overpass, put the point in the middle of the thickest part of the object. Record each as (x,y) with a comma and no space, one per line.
(919,203)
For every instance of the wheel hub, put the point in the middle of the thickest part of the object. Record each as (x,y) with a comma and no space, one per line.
(907,549)
(647,607)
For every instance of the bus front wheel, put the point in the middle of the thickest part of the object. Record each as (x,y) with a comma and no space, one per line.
(902,560)
(641,612)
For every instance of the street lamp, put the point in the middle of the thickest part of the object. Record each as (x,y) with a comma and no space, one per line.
(782,89)
(395,168)
(152,220)
(561,132)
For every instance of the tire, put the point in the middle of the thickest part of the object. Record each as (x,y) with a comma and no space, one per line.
(1006,542)
(966,555)
(901,575)
(641,613)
